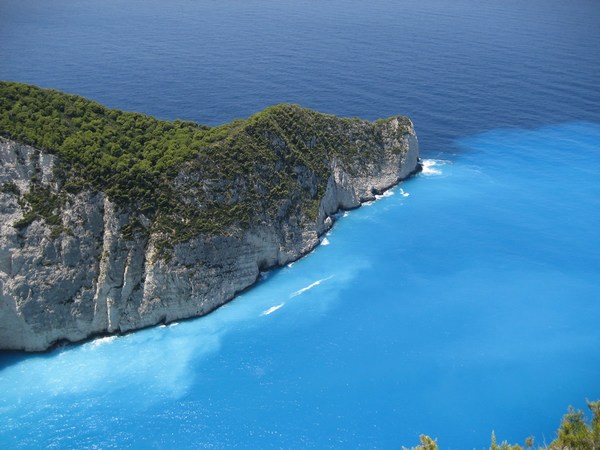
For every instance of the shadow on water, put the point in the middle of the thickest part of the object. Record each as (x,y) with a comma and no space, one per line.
(11,358)
(452,151)
(430,339)
(8,359)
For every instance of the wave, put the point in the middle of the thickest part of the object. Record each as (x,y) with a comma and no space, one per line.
(310,286)
(325,241)
(102,341)
(387,193)
(272,309)
(429,167)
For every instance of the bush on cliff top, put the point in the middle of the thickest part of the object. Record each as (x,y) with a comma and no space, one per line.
(187,177)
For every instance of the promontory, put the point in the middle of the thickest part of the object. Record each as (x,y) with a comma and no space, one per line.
(112,221)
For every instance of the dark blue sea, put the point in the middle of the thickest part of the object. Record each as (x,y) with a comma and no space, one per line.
(464,301)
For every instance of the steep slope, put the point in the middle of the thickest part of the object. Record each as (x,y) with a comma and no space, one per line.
(114,221)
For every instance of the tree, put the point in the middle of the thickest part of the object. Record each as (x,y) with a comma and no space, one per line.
(426,444)
(529,442)
(575,433)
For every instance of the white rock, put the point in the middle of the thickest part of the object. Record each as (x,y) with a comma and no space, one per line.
(92,281)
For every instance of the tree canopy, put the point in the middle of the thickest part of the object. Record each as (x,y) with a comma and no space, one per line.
(185,177)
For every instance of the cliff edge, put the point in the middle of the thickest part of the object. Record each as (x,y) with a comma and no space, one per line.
(113,221)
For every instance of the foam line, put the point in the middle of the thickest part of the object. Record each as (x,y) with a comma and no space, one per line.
(272,309)
(310,286)
(102,341)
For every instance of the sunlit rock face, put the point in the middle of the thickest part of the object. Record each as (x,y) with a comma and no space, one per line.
(74,274)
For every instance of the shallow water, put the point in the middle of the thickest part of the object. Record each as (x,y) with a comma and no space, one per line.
(465,302)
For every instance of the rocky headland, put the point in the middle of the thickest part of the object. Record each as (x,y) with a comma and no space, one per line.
(113,221)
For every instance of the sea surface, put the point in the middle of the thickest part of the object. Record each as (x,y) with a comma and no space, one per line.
(464,301)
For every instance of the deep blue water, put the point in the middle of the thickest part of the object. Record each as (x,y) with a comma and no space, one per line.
(468,301)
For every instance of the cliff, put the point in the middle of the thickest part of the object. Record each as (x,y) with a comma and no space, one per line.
(100,234)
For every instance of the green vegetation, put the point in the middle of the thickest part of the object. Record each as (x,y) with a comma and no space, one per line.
(39,203)
(185,177)
(124,154)
(574,433)
(10,188)
(426,444)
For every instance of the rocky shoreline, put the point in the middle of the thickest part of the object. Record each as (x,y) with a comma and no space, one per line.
(88,279)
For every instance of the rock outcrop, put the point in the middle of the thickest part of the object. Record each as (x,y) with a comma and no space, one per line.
(78,275)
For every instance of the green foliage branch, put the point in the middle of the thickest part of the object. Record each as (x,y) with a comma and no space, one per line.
(187,178)
(574,433)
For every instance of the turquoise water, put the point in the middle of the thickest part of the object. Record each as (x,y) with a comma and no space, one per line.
(464,301)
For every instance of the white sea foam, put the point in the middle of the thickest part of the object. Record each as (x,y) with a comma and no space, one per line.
(174,324)
(310,286)
(272,309)
(403,194)
(387,193)
(431,167)
(290,264)
(325,241)
(346,214)
(102,341)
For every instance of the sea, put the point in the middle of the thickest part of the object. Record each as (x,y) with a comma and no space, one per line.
(462,302)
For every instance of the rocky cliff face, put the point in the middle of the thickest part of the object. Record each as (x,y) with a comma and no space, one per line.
(73,274)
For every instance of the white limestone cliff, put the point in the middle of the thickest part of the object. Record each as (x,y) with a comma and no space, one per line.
(89,280)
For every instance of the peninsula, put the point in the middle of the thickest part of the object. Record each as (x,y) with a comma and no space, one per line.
(112,221)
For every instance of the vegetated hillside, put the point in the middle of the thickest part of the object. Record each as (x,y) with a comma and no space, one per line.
(239,173)
(113,221)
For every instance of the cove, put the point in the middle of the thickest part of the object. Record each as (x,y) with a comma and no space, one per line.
(464,301)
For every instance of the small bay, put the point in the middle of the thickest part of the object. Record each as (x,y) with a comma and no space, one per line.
(464,300)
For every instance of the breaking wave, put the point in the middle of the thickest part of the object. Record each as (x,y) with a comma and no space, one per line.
(310,286)
(429,167)
(272,309)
